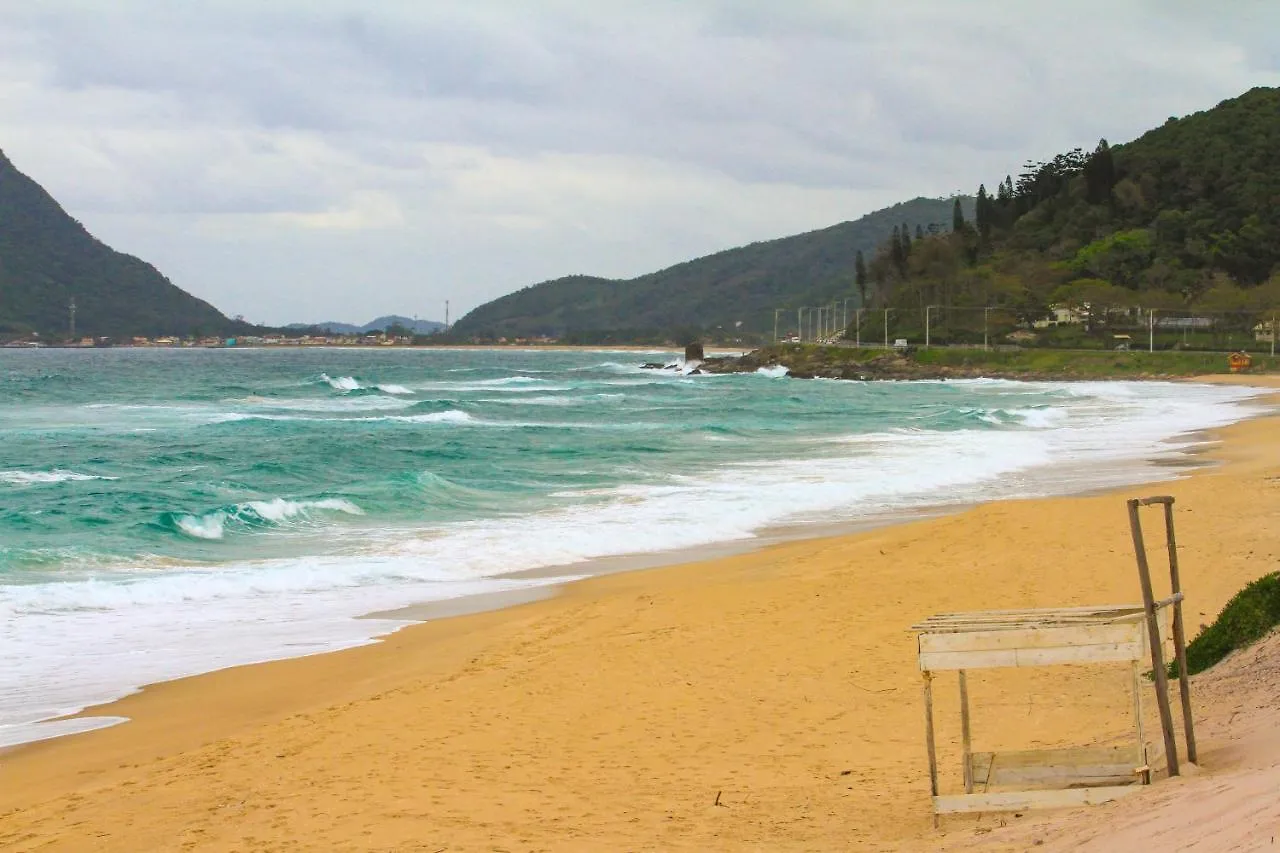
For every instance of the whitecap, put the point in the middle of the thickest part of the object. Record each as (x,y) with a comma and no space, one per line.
(31,478)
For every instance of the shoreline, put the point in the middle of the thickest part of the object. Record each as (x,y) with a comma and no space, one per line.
(1163,464)
(220,723)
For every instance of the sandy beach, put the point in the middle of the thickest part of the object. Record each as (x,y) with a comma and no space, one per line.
(767,700)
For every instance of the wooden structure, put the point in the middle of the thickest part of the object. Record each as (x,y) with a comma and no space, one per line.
(1132,634)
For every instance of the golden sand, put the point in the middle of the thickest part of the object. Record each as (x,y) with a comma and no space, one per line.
(780,683)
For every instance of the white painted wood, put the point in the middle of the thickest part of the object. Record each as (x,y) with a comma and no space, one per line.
(1032,638)
(1016,801)
(1107,653)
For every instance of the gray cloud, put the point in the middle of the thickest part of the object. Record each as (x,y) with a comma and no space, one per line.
(330,158)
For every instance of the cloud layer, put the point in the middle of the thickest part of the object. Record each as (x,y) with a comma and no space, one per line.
(331,160)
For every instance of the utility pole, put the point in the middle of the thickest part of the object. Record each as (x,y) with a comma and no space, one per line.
(857,325)
(1151,330)
(926,325)
(886,328)
(775,324)
(73,319)
(446,316)
(985,312)
(800,324)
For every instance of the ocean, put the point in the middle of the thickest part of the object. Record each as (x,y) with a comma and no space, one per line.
(170,512)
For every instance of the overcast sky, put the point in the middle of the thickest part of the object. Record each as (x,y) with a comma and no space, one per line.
(305,160)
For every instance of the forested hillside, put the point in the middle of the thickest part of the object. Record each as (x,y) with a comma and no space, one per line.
(48,259)
(710,295)
(1184,220)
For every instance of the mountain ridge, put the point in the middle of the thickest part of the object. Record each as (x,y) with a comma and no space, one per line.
(735,289)
(378,324)
(48,259)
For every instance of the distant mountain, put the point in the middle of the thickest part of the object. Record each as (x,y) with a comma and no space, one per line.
(741,285)
(48,259)
(418,327)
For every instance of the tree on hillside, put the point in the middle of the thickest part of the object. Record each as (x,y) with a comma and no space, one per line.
(906,240)
(957,217)
(982,212)
(860,278)
(1099,174)
(919,231)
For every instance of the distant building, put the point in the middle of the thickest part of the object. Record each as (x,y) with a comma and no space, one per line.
(1062,315)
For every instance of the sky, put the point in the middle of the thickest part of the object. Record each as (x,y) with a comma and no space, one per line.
(311,160)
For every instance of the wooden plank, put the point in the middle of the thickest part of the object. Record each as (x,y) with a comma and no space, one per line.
(965,741)
(1033,638)
(1061,768)
(1016,801)
(928,738)
(1137,722)
(1105,653)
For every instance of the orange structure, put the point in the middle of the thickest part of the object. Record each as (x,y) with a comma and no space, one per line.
(1239,361)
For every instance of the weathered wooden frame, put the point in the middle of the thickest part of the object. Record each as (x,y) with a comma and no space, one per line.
(1054,778)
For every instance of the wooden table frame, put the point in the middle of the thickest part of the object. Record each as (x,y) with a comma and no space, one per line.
(1053,778)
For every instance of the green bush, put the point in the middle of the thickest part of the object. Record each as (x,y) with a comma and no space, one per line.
(1247,618)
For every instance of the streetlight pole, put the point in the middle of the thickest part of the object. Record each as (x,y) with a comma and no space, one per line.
(926,326)
(857,325)
(886,328)
(1151,330)
(775,324)
(985,312)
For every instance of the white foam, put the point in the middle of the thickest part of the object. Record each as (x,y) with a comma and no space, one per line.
(393,389)
(341,383)
(213,525)
(775,371)
(30,478)
(210,526)
(452,416)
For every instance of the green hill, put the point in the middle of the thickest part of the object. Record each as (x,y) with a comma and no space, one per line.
(706,295)
(1184,220)
(47,259)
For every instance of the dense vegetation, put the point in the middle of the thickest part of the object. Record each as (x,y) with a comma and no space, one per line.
(707,297)
(844,362)
(1247,618)
(47,259)
(1184,220)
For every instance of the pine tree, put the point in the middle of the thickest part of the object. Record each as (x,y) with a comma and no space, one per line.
(1099,174)
(957,217)
(860,277)
(983,212)
(895,249)
(906,241)
(919,231)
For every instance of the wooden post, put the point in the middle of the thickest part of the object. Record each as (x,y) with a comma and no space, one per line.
(928,741)
(1137,722)
(1153,633)
(964,732)
(1179,634)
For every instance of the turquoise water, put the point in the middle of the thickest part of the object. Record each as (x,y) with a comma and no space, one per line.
(164,512)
